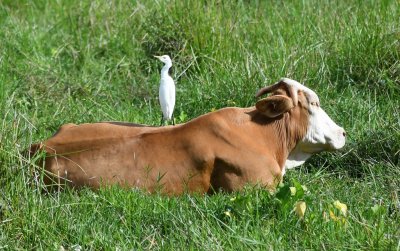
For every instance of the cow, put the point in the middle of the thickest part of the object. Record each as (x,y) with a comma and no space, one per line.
(221,150)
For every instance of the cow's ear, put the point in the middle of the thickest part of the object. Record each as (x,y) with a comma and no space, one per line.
(275,105)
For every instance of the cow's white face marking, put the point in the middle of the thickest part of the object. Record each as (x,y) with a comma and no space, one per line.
(323,134)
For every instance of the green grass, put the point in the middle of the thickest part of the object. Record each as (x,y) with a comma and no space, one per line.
(75,61)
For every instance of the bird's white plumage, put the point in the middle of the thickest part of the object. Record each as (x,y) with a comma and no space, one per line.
(167,89)
(167,97)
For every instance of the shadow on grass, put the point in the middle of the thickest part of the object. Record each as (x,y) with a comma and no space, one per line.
(374,153)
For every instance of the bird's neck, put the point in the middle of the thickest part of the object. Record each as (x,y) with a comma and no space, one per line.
(164,70)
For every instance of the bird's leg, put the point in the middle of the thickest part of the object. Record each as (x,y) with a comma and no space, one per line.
(162,120)
(173,119)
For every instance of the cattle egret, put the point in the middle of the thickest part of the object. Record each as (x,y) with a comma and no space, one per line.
(166,91)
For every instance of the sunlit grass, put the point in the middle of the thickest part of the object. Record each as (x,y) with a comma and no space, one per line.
(65,61)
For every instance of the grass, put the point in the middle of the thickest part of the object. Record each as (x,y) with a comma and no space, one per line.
(69,61)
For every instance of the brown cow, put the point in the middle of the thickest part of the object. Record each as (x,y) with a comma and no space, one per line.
(225,149)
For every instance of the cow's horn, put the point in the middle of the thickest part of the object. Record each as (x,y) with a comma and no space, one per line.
(292,90)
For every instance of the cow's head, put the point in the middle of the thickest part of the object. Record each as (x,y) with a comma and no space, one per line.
(289,96)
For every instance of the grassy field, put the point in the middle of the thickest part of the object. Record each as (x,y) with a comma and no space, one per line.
(76,61)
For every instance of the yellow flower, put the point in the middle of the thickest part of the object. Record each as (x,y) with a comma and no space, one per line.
(300,208)
(341,206)
(292,191)
(228,213)
(336,218)
(332,215)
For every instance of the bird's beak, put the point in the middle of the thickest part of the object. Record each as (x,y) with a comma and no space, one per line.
(159,57)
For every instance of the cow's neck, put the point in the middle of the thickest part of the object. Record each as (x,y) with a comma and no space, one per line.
(291,129)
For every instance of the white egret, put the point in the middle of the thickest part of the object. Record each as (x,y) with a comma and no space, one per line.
(167,90)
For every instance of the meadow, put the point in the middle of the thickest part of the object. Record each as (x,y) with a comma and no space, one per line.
(81,61)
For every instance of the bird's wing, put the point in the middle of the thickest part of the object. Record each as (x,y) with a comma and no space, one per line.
(172,95)
(171,100)
(163,98)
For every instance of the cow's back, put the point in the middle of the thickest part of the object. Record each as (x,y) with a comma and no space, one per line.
(67,150)
(71,134)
